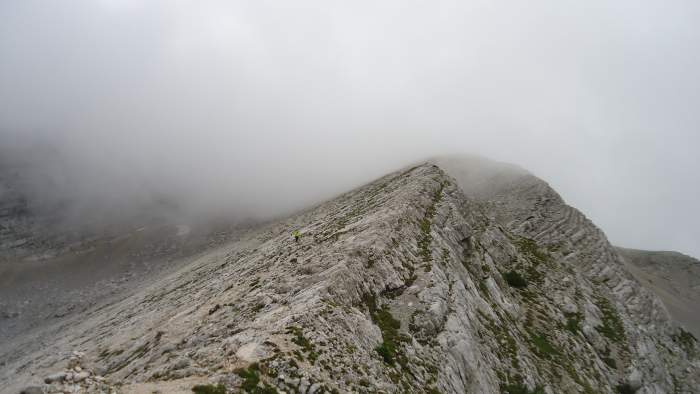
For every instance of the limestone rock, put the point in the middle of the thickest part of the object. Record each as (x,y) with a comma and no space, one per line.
(465,276)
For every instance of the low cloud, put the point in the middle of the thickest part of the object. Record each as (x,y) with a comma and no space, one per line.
(255,109)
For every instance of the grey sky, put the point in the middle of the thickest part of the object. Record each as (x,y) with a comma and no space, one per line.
(263,106)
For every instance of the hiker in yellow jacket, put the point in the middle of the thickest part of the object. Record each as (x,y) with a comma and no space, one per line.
(296,234)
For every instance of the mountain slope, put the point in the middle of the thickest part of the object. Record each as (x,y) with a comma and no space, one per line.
(54,267)
(418,282)
(673,277)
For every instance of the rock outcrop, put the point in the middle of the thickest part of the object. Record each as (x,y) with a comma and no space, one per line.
(465,276)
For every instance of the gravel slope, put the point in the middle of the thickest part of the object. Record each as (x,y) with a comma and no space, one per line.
(673,277)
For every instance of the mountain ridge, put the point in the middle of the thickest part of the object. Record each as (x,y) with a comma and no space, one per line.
(425,280)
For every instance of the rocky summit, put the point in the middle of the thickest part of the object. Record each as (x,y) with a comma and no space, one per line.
(457,275)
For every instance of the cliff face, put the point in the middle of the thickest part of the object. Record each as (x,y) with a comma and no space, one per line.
(480,281)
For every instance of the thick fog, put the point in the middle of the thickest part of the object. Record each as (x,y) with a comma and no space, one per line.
(258,108)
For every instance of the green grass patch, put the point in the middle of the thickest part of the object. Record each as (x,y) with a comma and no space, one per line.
(389,348)
(573,322)
(529,247)
(209,389)
(625,388)
(533,275)
(483,288)
(508,347)
(610,362)
(612,327)
(387,351)
(426,238)
(543,347)
(251,381)
(519,388)
(514,279)
(300,340)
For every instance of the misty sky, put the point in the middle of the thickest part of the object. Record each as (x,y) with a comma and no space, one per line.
(266,106)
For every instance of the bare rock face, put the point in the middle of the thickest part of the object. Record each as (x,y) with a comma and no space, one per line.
(479,280)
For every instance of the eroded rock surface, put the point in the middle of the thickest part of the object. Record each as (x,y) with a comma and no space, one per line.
(478,280)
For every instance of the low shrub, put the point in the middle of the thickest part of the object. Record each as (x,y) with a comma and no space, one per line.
(514,279)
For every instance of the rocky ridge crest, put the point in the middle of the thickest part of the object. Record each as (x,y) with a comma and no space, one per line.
(478,279)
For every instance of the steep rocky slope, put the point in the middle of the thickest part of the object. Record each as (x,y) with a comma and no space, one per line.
(481,281)
(673,277)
